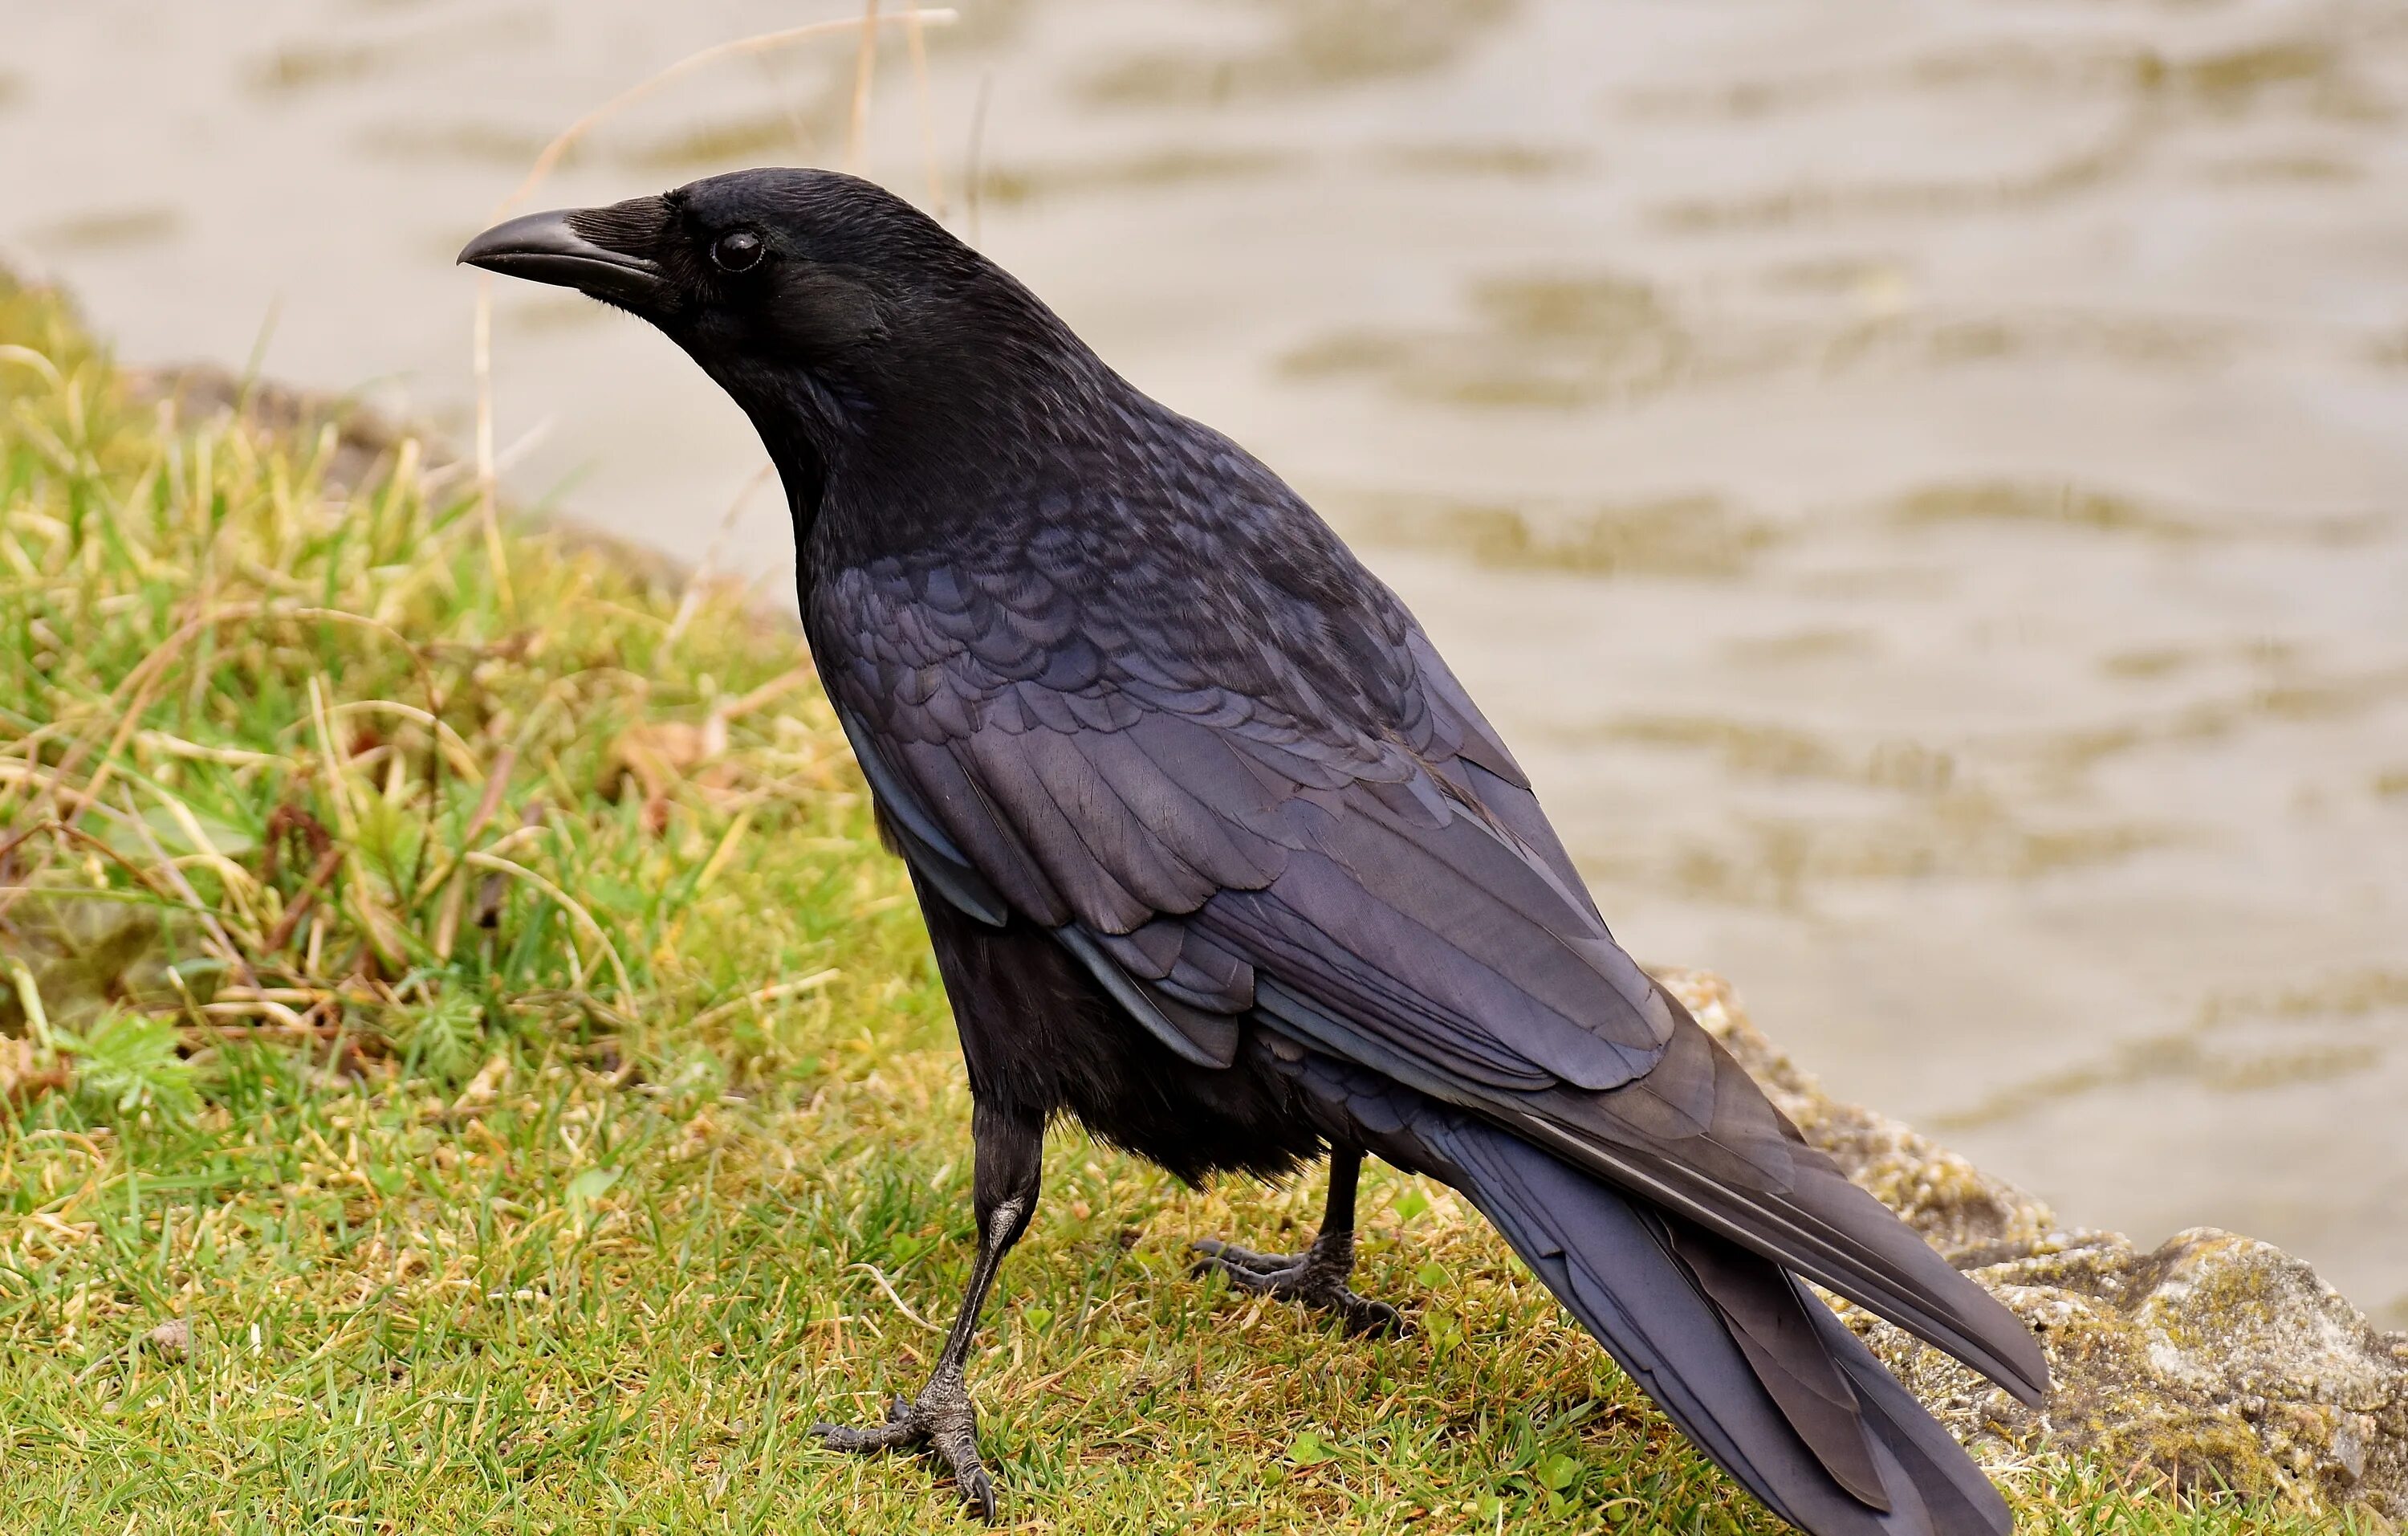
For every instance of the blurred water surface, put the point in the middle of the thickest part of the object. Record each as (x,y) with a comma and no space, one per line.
(1923,485)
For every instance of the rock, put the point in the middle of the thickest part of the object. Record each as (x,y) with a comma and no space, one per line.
(172,1338)
(86,954)
(361,441)
(2211,1360)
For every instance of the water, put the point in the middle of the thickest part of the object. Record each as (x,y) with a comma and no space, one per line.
(1924,486)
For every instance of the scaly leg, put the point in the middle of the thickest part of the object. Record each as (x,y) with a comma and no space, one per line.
(1317,1277)
(1010,1163)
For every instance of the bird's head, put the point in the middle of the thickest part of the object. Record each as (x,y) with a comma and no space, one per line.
(835,312)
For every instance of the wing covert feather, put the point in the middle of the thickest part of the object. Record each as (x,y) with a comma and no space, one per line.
(1149,796)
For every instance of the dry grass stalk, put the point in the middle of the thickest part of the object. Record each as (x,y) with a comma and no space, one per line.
(915,38)
(865,71)
(550,158)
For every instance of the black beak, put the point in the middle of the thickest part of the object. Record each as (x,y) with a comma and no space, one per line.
(542,247)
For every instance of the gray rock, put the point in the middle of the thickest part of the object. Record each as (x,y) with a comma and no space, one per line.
(172,1338)
(2211,1360)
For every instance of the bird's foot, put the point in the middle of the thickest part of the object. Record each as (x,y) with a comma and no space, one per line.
(1316,1278)
(942,1420)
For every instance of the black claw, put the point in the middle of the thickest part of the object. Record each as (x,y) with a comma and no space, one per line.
(979,1489)
(1367,1317)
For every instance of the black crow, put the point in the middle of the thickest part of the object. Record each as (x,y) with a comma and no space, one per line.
(1219,858)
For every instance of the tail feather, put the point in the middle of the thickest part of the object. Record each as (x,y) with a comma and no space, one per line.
(1809,1221)
(1955,1491)
(1760,1376)
(1760,1306)
(1827,1228)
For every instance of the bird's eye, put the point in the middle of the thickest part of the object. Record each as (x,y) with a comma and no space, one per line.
(738,250)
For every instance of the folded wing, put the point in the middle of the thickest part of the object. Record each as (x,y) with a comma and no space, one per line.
(1308,825)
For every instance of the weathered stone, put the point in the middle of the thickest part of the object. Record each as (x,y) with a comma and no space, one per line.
(172,1338)
(2211,1360)
(83,954)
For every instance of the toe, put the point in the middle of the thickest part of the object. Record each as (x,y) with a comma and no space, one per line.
(1230,1258)
(1277,1282)
(877,1437)
(978,1489)
(955,1443)
(1366,1316)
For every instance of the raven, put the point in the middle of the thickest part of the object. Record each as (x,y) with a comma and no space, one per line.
(1219,858)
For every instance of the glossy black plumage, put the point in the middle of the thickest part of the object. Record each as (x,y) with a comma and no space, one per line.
(1219,857)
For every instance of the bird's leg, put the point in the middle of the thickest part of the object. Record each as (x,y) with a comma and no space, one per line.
(1011,1162)
(1317,1276)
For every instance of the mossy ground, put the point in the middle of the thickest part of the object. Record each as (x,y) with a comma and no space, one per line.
(468,995)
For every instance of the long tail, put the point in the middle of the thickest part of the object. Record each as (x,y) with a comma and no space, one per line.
(1753,1370)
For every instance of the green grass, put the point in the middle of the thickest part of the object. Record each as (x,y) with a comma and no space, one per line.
(539,1117)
